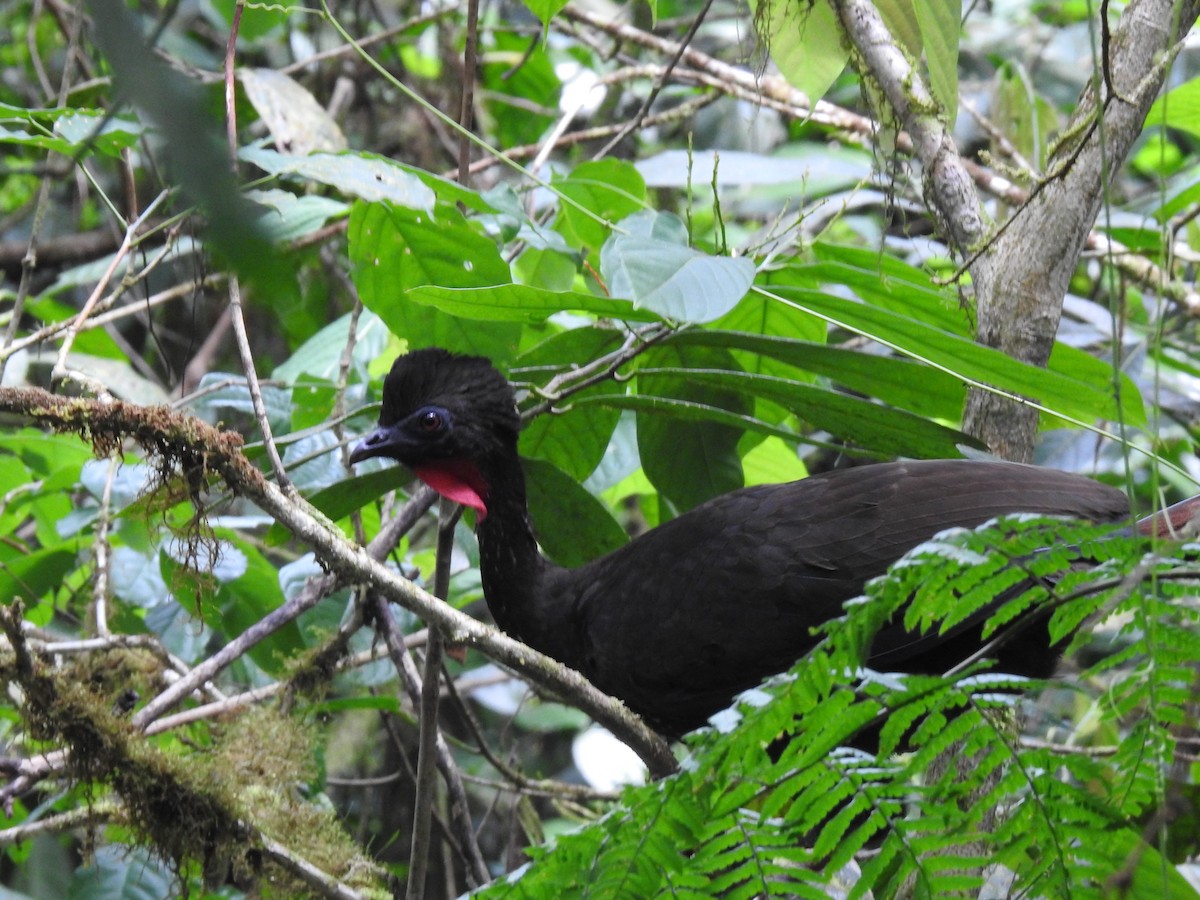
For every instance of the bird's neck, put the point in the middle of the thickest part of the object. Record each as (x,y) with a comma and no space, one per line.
(516,577)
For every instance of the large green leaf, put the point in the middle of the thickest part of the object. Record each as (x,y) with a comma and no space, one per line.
(1178,108)
(394,249)
(901,382)
(652,265)
(1061,393)
(609,189)
(890,285)
(939,23)
(362,175)
(27,578)
(689,461)
(805,40)
(757,314)
(894,285)
(523,303)
(1146,873)
(881,430)
(573,440)
(692,411)
(572,526)
(901,20)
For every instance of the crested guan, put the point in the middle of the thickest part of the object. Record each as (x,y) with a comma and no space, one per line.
(678,621)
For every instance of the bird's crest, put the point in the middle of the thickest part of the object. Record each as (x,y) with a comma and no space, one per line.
(468,386)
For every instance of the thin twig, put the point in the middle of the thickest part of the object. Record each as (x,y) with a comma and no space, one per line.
(260,408)
(413,686)
(29,261)
(101,549)
(60,371)
(598,370)
(95,813)
(520,782)
(659,83)
(316,879)
(426,787)
(466,111)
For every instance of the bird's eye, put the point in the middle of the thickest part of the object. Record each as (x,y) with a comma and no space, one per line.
(431,421)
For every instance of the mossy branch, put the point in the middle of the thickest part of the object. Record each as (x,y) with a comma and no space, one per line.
(177,441)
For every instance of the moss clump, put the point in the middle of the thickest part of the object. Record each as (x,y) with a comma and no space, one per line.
(204,809)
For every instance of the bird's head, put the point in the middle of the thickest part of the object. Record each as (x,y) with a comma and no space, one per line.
(449,418)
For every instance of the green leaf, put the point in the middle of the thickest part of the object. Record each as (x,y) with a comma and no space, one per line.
(546,718)
(757,314)
(609,189)
(894,285)
(574,440)
(773,461)
(108,134)
(939,22)
(286,217)
(245,600)
(545,268)
(1179,108)
(347,704)
(362,175)
(901,20)
(1187,197)
(805,40)
(523,303)
(882,281)
(879,429)
(1147,874)
(410,248)
(689,411)
(900,382)
(517,66)
(689,461)
(321,354)
(572,526)
(351,494)
(545,10)
(1022,117)
(653,267)
(965,358)
(72,131)
(28,577)
(255,21)
(394,249)
(48,455)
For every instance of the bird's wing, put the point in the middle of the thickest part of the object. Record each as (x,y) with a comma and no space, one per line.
(717,599)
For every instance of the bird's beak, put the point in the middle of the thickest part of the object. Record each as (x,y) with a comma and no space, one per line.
(383,441)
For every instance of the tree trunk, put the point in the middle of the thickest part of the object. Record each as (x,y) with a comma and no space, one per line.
(1031,261)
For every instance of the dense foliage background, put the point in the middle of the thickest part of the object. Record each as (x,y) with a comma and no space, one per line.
(699,277)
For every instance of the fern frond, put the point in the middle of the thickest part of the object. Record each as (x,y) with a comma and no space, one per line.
(776,801)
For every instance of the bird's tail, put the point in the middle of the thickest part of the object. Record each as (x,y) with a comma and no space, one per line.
(1173,521)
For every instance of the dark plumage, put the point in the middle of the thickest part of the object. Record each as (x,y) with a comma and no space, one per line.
(708,604)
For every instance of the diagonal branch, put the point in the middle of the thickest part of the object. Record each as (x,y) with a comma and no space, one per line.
(202,450)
